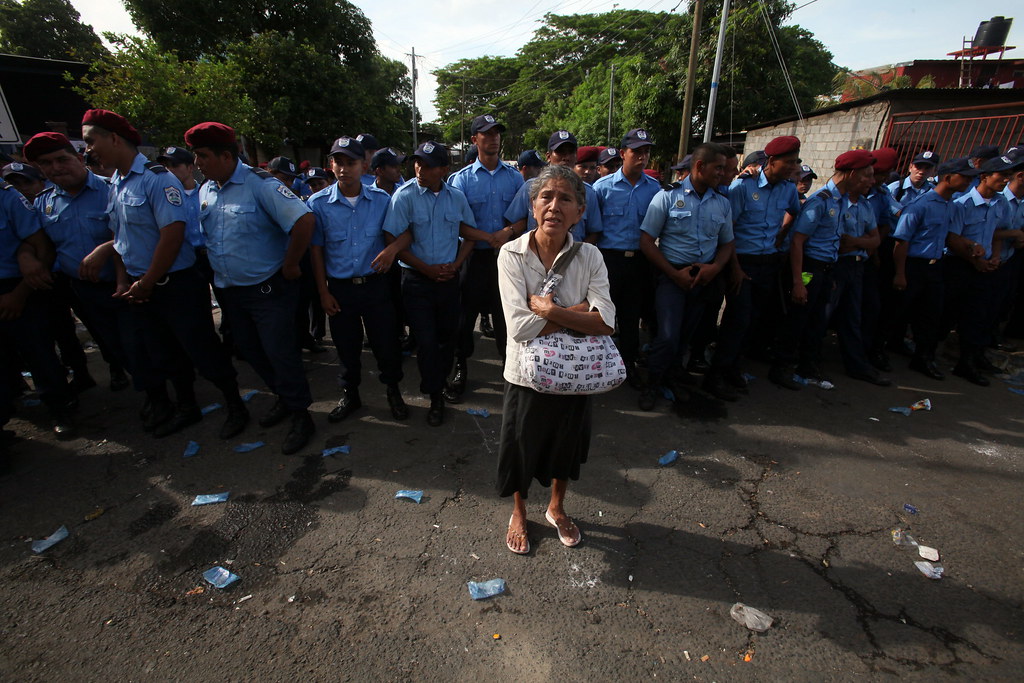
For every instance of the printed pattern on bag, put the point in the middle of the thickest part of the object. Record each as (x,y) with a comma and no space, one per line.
(562,364)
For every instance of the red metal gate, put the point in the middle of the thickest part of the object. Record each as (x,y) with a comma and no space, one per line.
(951,132)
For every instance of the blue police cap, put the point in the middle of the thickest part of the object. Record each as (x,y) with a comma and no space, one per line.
(317,172)
(368,141)
(1000,164)
(176,155)
(609,155)
(484,123)
(685,164)
(17,168)
(432,154)
(350,147)
(926,158)
(807,172)
(531,158)
(386,157)
(636,138)
(984,152)
(283,165)
(559,138)
(960,165)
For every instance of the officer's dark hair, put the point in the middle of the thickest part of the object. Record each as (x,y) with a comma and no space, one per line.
(565,173)
(707,151)
(217,150)
(110,133)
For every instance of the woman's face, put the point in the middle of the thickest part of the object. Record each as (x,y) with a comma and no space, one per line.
(556,208)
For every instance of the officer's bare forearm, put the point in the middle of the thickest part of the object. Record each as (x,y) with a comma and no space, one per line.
(654,255)
(590,322)
(298,241)
(172,236)
(463,253)
(725,255)
(316,257)
(796,257)
(899,257)
(518,228)
(960,246)
(400,243)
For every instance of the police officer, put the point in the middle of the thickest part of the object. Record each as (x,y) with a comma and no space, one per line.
(350,261)
(920,240)
(317,178)
(427,217)
(23,325)
(73,212)
(916,182)
(530,164)
(753,164)
(386,166)
(173,327)
(878,268)
(972,267)
(370,146)
(1012,239)
(586,164)
(804,178)
(624,197)
(686,234)
(608,161)
(25,178)
(682,170)
(763,205)
(489,185)
(257,231)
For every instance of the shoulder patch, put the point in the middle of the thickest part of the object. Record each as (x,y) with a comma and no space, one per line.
(155,167)
(286,192)
(173,195)
(260,172)
(825,193)
(26,202)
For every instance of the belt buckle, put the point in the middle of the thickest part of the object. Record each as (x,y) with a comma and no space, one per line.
(933,261)
(629,254)
(859,258)
(358,280)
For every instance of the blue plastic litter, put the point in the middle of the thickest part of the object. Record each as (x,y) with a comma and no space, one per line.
(415,496)
(27,374)
(246,447)
(220,577)
(192,448)
(210,498)
(902,410)
(51,540)
(31,402)
(667,393)
(210,408)
(668,458)
(748,378)
(344,450)
(482,412)
(910,508)
(1016,390)
(247,396)
(486,589)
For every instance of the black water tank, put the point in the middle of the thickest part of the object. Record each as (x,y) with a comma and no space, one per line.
(992,33)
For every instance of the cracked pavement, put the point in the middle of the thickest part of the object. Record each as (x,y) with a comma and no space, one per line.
(786,504)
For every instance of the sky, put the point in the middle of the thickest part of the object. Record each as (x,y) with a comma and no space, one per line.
(860,35)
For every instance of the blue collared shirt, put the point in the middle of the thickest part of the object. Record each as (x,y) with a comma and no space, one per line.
(910,193)
(77,224)
(591,222)
(351,236)
(758,208)
(690,227)
(18,222)
(369,178)
(979,218)
(193,231)
(856,220)
(623,207)
(142,204)
(887,209)
(434,220)
(975,181)
(819,219)
(247,222)
(489,194)
(924,225)
(1014,220)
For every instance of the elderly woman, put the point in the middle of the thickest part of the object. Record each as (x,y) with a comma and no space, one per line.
(547,436)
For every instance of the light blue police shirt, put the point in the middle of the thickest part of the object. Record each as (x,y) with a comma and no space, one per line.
(910,193)
(77,224)
(758,208)
(691,228)
(247,222)
(856,220)
(489,194)
(979,218)
(193,231)
(351,236)
(924,225)
(819,220)
(1013,220)
(520,208)
(434,220)
(623,207)
(18,222)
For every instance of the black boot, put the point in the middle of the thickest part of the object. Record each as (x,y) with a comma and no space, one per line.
(276,414)
(460,377)
(237,419)
(160,410)
(185,415)
(715,385)
(399,410)
(118,379)
(298,435)
(782,375)
(435,415)
(348,404)
(926,366)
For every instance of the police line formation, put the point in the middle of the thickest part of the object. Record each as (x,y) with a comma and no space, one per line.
(133,247)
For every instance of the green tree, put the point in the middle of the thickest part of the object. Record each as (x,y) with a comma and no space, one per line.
(469,86)
(163,95)
(47,28)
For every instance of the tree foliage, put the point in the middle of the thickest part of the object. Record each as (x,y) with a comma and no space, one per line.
(47,28)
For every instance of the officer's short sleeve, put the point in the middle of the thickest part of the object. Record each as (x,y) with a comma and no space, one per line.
(167,198)
(399,215)
(318,232)
(793,206)
(726,235)
(280,203)
(657,213)
(907,226)
(808,217)
(519,208)
(592,215)
(956,217)
(737,197)
(465,212)
(24,219)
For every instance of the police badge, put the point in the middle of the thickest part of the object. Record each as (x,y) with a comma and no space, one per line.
(173,196)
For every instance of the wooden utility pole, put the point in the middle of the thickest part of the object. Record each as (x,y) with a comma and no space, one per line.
(691,75)
(462,122)
(611,104)
(415,141)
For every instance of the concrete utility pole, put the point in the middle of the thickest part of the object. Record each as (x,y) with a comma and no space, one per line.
(691,75)
(415,141)
(462,122)
(713,100)
(611,103)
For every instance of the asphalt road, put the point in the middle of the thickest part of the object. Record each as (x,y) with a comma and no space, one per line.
(785,503)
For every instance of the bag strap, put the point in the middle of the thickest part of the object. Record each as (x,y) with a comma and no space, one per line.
(560,267)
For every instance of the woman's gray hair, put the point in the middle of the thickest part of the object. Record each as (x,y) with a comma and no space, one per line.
(553,172)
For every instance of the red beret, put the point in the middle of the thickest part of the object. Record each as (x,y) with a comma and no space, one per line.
(885,159)
(44,143)
(115,123)
(787,144)
(585,154)
(304,165)
(210,134)
(854,159)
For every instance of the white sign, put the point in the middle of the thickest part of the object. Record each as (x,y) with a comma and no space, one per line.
(8,131)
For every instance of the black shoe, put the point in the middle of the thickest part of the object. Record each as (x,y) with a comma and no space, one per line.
(311,346)
(159,412)
(648,397)
(237,419)
(698,366)
(735,379)
(298,435)
(435,415)
(63,425)
(970,373)
(926,367)
(399,410)
(717,387)
(486,328)
(81,382)
(633,378)
(811,371)
(348,404)
(118,379)
(450,395)
(408,343)
(782,375)
(277,413)
(872,378)
(457,384)
(880,361)
(184,416)
(985,365)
